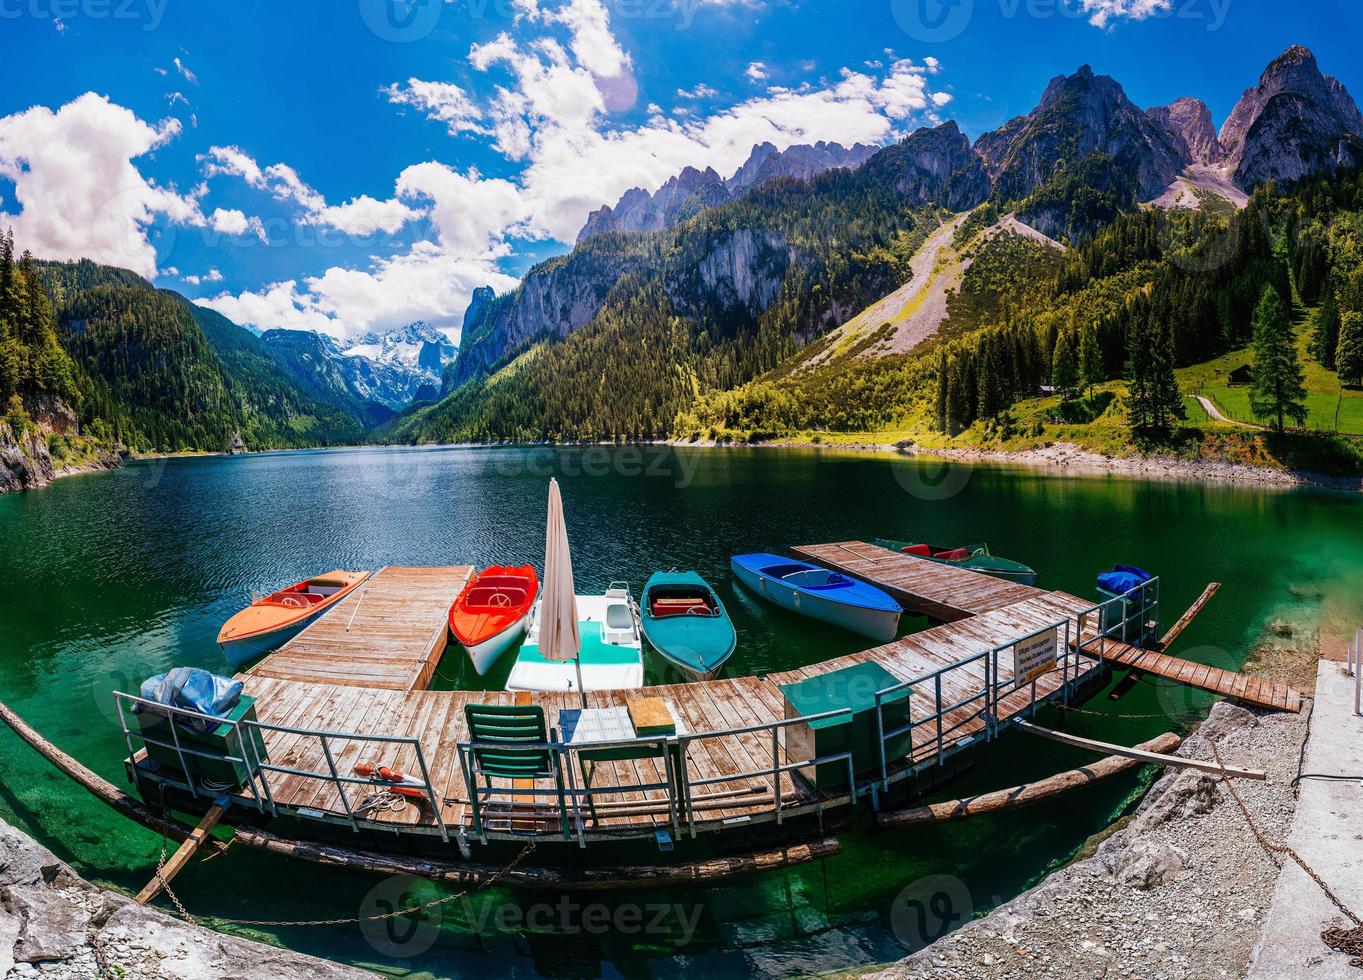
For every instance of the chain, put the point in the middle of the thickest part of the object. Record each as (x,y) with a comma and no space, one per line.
(1349,941)
(349,920)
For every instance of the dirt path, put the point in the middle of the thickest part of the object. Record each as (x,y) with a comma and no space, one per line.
(1210,408)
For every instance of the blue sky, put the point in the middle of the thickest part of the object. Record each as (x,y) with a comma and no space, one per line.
(358,164)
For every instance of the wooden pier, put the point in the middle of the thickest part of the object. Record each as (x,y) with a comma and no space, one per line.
(930,588)
(363,670)
(389,634)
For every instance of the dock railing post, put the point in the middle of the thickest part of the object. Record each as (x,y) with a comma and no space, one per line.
(1358,672)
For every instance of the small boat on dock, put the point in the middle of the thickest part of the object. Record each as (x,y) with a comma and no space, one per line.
(973,557)
(267,624)
(684,620)
(491,613)
(611,656)
(820,594)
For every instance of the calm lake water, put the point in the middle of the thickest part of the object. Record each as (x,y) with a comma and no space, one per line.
(110,578)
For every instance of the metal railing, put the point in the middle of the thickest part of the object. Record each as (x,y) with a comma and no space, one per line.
(255,765)
(953,707)
(679,786)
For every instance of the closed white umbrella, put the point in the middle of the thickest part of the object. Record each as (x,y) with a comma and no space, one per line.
(559,640)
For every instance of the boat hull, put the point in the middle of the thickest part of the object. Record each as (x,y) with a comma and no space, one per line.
(245,650)
(487,652)
(881,625)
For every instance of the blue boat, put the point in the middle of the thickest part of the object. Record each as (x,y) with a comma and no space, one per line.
(820,594)
(687,624)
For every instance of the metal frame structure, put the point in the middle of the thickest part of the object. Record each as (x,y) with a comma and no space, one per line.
(1079,639)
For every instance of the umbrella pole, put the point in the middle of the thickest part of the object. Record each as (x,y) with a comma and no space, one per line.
(577,662)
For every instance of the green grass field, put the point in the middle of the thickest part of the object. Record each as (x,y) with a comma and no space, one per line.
(1329,407)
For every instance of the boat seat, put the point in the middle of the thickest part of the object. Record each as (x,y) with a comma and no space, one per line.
(486,598)
(958,554)
(921,550)
(679,607)
(618,617)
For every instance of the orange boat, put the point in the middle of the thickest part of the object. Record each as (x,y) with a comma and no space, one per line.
(490,614)
(269,623)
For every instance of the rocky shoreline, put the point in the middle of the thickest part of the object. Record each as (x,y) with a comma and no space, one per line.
(1179,892)
(54,924)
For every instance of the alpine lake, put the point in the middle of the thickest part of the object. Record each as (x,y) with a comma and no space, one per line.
(114,577)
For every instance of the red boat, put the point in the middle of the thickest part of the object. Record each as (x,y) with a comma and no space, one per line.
(491,613)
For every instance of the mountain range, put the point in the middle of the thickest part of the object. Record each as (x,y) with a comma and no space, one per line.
(741,264)
(371,378)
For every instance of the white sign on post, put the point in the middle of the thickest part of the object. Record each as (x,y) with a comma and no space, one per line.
(1035,657)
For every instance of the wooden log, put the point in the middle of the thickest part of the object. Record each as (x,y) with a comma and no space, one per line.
(1177,629)
(1028,793)
(567,879)
(181,857)
(101,788)
(1175,761)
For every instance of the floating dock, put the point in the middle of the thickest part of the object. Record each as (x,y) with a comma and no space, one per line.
(351,689)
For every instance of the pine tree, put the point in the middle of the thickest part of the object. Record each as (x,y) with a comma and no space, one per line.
(1349,358)
(1091,371)
(1325,337)
(1064,367)
(1166,401)
(1279,390)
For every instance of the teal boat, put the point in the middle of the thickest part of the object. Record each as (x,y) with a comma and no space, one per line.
(974,557)
(685,622)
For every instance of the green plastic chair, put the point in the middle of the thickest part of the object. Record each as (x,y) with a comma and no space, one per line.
(511,742)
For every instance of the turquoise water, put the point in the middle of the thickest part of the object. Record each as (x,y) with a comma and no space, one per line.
(113,577)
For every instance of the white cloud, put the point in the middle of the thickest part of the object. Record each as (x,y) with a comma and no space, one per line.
(701,91)
(365,216)
(757,71)
(279,179)
(234,222)
(183,69)
(440,101)
(212,275)
(1103,12)
(80,193)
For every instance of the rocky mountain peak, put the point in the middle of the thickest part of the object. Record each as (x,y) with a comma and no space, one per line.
(1190,122)
(1295,122)
(1081,116)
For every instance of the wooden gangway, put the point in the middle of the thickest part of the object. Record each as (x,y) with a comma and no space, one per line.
(389,634)
(944,592)
(934,589)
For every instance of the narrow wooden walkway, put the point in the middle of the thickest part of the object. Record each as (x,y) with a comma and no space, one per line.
(1257,691)
(955,594)
(389,634)
(941,591)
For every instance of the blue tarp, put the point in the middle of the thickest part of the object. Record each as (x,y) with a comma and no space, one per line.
(195,690)
(1123,578)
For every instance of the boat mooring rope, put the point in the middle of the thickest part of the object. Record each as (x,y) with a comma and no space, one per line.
(346,921)
(1344,940)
